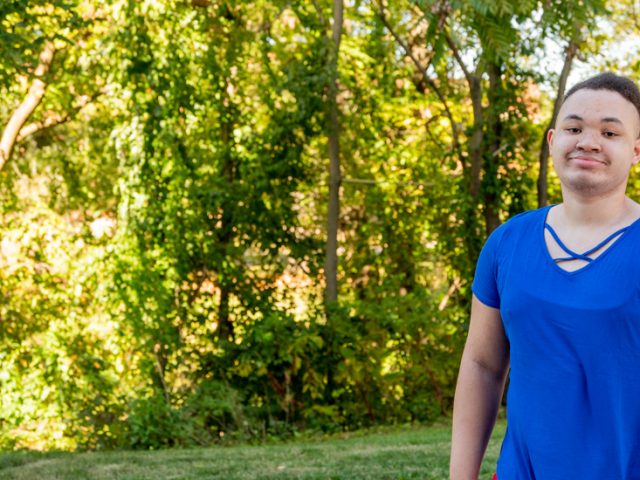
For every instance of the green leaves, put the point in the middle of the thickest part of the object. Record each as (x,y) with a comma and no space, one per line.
(162,224)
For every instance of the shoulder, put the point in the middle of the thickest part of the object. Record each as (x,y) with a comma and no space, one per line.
(514,235)
(528,218)
(519,226)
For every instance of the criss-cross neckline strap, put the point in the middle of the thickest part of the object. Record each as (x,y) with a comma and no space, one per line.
(581,256)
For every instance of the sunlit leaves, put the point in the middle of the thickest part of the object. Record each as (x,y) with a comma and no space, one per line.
(162,225)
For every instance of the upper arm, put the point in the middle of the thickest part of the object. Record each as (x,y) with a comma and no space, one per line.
(487,344)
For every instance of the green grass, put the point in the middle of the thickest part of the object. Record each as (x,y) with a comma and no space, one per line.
(417,453)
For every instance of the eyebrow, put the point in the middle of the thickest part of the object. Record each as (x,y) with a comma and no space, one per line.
(611,120)
(604,120)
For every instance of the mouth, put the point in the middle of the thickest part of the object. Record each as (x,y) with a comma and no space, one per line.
(585,161)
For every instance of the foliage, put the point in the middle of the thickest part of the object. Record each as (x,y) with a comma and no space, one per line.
(163,216)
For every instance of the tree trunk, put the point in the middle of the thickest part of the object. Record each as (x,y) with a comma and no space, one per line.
(159,377)
(28,105)
(226,329)
(494,129)
(570,53)
(475,145)
(331,259)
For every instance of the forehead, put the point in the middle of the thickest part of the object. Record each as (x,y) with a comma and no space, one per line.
(595,105)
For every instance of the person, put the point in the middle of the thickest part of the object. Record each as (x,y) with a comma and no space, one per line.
(556,302)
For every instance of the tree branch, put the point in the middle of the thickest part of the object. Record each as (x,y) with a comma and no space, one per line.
(433,137)
(475,145)
(29,104)
(321,16)
(370,181)
(456,55)
(428,80)
(455,285)
(55,119)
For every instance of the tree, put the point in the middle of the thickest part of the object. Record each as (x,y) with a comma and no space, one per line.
(34,32)
(29,104)
(165,219)
(333,128)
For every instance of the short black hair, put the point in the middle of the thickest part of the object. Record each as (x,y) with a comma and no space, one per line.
(612,82)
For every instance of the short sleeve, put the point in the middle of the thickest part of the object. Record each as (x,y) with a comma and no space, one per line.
(485,282)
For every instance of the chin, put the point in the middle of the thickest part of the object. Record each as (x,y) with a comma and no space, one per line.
(586,185)
(582,183)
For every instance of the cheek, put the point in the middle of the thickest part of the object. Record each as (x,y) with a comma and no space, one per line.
(560,145)
(556,161)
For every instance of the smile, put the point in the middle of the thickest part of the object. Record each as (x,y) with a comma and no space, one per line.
(584,161)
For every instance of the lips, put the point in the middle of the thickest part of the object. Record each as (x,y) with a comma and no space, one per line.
(586,161)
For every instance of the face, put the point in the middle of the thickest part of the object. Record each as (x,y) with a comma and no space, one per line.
(595,142)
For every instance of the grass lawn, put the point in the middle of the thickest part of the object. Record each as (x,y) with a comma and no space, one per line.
(420,453)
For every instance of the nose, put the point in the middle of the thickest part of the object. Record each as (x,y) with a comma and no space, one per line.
(588,142)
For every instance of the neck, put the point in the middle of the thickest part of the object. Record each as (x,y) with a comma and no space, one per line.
(595,210)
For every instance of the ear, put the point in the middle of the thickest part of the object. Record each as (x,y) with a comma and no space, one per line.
(550,136)
(636,152)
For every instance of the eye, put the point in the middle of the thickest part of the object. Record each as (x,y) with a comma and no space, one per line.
(573,130)
(609,134)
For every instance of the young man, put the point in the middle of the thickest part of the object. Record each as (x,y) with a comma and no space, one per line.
(557,301)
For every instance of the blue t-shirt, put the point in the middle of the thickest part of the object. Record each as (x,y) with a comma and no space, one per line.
(573,404)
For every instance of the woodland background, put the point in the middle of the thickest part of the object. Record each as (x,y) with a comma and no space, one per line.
(232,220)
